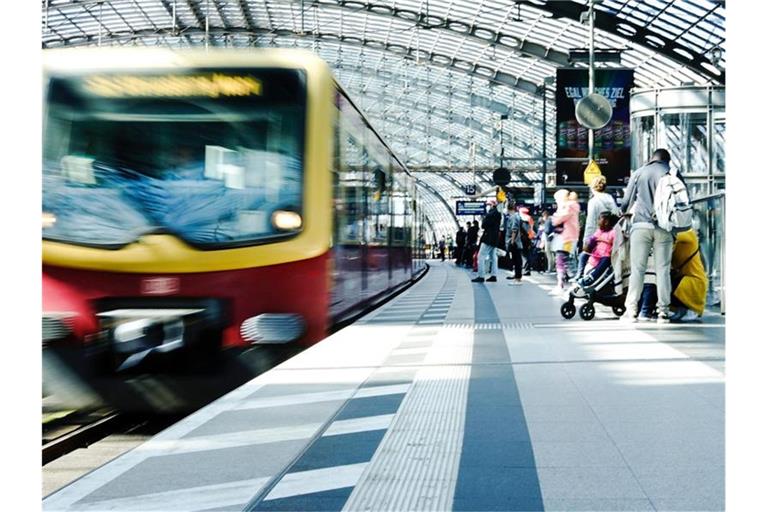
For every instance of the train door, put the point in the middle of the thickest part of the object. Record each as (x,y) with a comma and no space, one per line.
(350,204)
(400,237)
(377,174)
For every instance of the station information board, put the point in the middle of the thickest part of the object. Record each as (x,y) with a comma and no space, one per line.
(470,207)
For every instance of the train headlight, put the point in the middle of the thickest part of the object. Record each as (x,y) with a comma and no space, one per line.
(49,220)
(162,334)
(133,330)
(285,220)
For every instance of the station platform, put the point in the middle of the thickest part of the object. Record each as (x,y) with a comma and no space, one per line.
(453,396)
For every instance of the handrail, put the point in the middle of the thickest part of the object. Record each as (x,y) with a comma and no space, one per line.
(712,243)
(701,199)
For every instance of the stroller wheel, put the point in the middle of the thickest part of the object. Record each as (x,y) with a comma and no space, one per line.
(587,311)
(619,310)
(568,310)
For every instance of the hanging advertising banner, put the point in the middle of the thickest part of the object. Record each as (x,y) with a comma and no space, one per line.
(612,143)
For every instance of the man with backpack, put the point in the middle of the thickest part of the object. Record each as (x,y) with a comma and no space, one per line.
(650,232)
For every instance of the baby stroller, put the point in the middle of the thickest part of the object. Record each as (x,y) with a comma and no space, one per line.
(603,287)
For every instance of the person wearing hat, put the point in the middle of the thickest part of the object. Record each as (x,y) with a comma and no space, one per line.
(489,242)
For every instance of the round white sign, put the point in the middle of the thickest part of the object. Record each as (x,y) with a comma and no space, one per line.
(593,111)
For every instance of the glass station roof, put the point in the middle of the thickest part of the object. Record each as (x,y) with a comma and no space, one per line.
(434,77)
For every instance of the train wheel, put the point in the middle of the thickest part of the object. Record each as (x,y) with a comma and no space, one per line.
(587,311)
(568,310)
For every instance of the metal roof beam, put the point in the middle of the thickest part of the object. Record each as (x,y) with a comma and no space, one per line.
(469,169)
(247,14)
(466,97)
(431,22)
(609,23)
(518,178)
(141,10)
(455,184)
(434,192)
(434,132)
(438,60)
(174,19)
(404,140)
(435,59)
(452,118)
(199,16)
(71,22)
(220,12)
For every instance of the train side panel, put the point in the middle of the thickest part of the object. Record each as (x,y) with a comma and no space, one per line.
(299,288)
(373,215)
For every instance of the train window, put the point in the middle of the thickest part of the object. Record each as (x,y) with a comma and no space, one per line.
(215,170)
(378,174)
(399,207)
(353,158)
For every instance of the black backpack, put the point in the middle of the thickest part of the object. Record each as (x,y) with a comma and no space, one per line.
(550,228)
(524,237)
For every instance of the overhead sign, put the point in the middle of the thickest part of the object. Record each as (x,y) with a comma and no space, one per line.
(591,172)
(611,141)
(470,190)
(470,207)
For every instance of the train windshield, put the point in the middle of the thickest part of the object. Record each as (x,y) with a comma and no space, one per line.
(214,157)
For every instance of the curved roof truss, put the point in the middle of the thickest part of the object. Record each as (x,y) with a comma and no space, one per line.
(434,76)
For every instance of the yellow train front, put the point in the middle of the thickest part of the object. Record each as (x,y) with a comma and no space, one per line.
(196,203)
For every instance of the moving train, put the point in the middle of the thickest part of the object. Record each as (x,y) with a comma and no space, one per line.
(202,202)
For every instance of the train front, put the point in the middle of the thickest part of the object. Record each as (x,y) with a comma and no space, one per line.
(176,197)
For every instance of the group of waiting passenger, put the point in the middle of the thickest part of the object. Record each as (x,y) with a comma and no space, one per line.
(667,279)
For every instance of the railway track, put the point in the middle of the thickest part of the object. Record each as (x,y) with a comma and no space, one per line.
(81,430)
